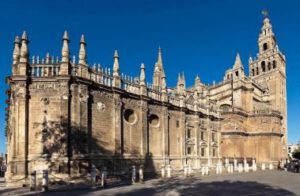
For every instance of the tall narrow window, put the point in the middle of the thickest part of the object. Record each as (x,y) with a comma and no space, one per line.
(189,150)
(214,152)
(177,124)
(202,152)
(269,66)
(50,71)
(253,72)
(257,71)
(265,46)
(263,66)
(274,64)
(213,137)
(202,135)
(188,133)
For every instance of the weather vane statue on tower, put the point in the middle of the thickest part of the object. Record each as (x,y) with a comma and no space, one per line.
(265,13)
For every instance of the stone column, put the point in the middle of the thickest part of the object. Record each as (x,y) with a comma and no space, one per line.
(144,127)
(183,146)
(208,140)
(263,166)
(165,137)
(197,145)
(21,128)
(163,171)
(141,174)
(235,164)
(169,171)
(83,121)
(117,116)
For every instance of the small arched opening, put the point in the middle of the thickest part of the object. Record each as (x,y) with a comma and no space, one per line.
(263,66)
(274,64)
(265,46)
(269,66)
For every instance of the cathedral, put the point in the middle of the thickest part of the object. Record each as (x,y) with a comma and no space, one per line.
(67,116)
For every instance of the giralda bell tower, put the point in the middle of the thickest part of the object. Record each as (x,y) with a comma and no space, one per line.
(269,68)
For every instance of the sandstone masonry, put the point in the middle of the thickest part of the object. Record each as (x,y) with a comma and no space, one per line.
(66,116)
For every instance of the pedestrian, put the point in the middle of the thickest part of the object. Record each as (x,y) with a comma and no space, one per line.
(297,166)
(279,166)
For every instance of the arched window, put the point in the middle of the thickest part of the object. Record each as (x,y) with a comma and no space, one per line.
(225,107)
(237,74)
(253,72)
(189,150)
(274,64)
(257,71)
(269,66)
(265,46)
(263,66)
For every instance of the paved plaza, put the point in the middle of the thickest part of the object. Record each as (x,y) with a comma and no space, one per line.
(257,183)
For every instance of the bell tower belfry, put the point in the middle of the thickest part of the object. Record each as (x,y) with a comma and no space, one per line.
(269,68)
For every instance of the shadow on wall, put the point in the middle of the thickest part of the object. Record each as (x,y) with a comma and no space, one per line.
(222,188)
(84,150)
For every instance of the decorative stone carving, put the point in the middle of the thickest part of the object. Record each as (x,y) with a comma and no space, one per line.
(118,101)
(48,86)
(144,108)
(65,97)
(20,93)
(131,102)
(155,109)
(83,98)
(102,94)
(101,106)
(45,100)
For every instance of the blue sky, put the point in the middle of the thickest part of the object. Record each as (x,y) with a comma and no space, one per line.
(197,37)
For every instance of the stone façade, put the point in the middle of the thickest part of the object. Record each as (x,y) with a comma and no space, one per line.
(67,117)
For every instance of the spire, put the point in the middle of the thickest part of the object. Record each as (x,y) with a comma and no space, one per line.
(82,51)
(159,63)
(158,71)
(197,81)
(266,41)
(164,97)
(66,35)
(181,83)
(24,53)
(47,58)
(238,62)
(163,83)
(65,48)
(24,36)
(142,75)
(181,79)
(116,55)
(159,58)
(116,67)
(178,79)
(16,52)
(266,29)
(250,59)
